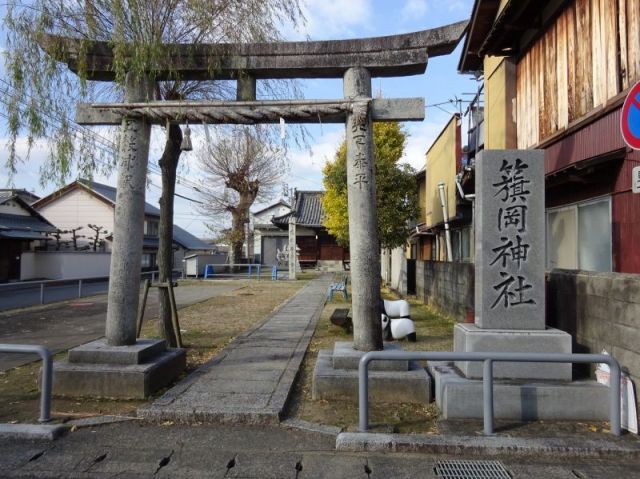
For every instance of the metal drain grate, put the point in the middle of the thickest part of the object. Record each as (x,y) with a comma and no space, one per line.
(471,470)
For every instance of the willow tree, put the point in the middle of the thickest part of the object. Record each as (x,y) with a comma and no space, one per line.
(396,189)
(43,94)
(240,166)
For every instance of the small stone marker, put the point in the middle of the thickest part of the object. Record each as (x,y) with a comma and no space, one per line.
(510,240)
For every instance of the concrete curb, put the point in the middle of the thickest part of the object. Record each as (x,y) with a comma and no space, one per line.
(313,427)
(34,432)
(99,421)
(488,446)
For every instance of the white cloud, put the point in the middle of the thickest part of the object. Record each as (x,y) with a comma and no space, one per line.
(335,19)
(414,9)
(306,165)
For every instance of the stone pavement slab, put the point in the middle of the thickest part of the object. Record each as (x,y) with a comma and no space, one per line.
(250,381)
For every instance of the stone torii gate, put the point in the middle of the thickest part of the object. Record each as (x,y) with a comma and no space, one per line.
(355,61)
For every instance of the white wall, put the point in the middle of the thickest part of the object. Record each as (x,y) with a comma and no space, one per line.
(393,269)
(13,208)
(63,265)
(264,218)
(79,208)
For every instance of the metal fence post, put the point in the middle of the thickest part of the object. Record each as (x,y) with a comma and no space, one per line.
(363,392)
(41,293)
(614,407)
(487,396)
(47,372)
(79,288)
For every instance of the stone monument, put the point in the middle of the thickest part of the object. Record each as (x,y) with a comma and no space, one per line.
(510,303)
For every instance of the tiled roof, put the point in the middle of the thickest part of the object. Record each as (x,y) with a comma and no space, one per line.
(109,192)
(308,210)
(188,241)
(25,227)
(180,236)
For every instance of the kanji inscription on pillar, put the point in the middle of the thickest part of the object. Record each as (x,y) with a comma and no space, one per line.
(510,240)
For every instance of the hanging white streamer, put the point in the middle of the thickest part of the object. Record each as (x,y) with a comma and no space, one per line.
(283,129)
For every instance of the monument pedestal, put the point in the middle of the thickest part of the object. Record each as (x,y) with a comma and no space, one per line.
(459,397)
(510,304)
(469,338)
(131,372)
(335,377)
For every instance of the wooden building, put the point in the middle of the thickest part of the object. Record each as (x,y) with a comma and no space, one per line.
(556,74)
(317,247)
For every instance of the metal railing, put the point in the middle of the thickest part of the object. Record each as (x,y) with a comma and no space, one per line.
(238,270)
(47,371)
(25,285)
(487,378)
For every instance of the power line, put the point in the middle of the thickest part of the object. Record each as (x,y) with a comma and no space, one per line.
(104,144)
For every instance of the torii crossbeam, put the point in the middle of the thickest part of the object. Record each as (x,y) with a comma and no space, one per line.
(355,61)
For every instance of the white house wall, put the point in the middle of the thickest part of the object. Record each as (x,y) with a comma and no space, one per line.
(264,218)
(393,269)
(63,265)
(79,208)
(13,208)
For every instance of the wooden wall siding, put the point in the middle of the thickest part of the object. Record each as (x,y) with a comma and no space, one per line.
(589,55)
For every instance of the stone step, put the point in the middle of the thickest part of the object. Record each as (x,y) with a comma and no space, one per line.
(410,386)
(99,352)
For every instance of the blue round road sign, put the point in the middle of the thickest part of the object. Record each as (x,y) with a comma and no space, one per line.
(630,119)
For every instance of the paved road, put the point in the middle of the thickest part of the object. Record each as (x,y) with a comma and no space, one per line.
(14,296)
(64,325)
(140,450)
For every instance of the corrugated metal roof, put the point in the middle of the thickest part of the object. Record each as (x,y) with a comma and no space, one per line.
(307,208)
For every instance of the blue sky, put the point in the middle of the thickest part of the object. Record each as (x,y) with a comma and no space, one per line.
(327,19)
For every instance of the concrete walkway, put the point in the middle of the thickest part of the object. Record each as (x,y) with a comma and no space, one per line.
(62,326)
(251,379)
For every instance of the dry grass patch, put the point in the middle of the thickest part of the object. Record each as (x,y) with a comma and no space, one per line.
(207,328)
(435,333)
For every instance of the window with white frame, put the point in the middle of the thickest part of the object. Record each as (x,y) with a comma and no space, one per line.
(579,236)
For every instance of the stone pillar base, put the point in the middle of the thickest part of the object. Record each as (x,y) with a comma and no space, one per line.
(471,339)
(132,372)
(335,377)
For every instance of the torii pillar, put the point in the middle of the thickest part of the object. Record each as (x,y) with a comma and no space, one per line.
(120,365)
(126,252)
(363,223)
